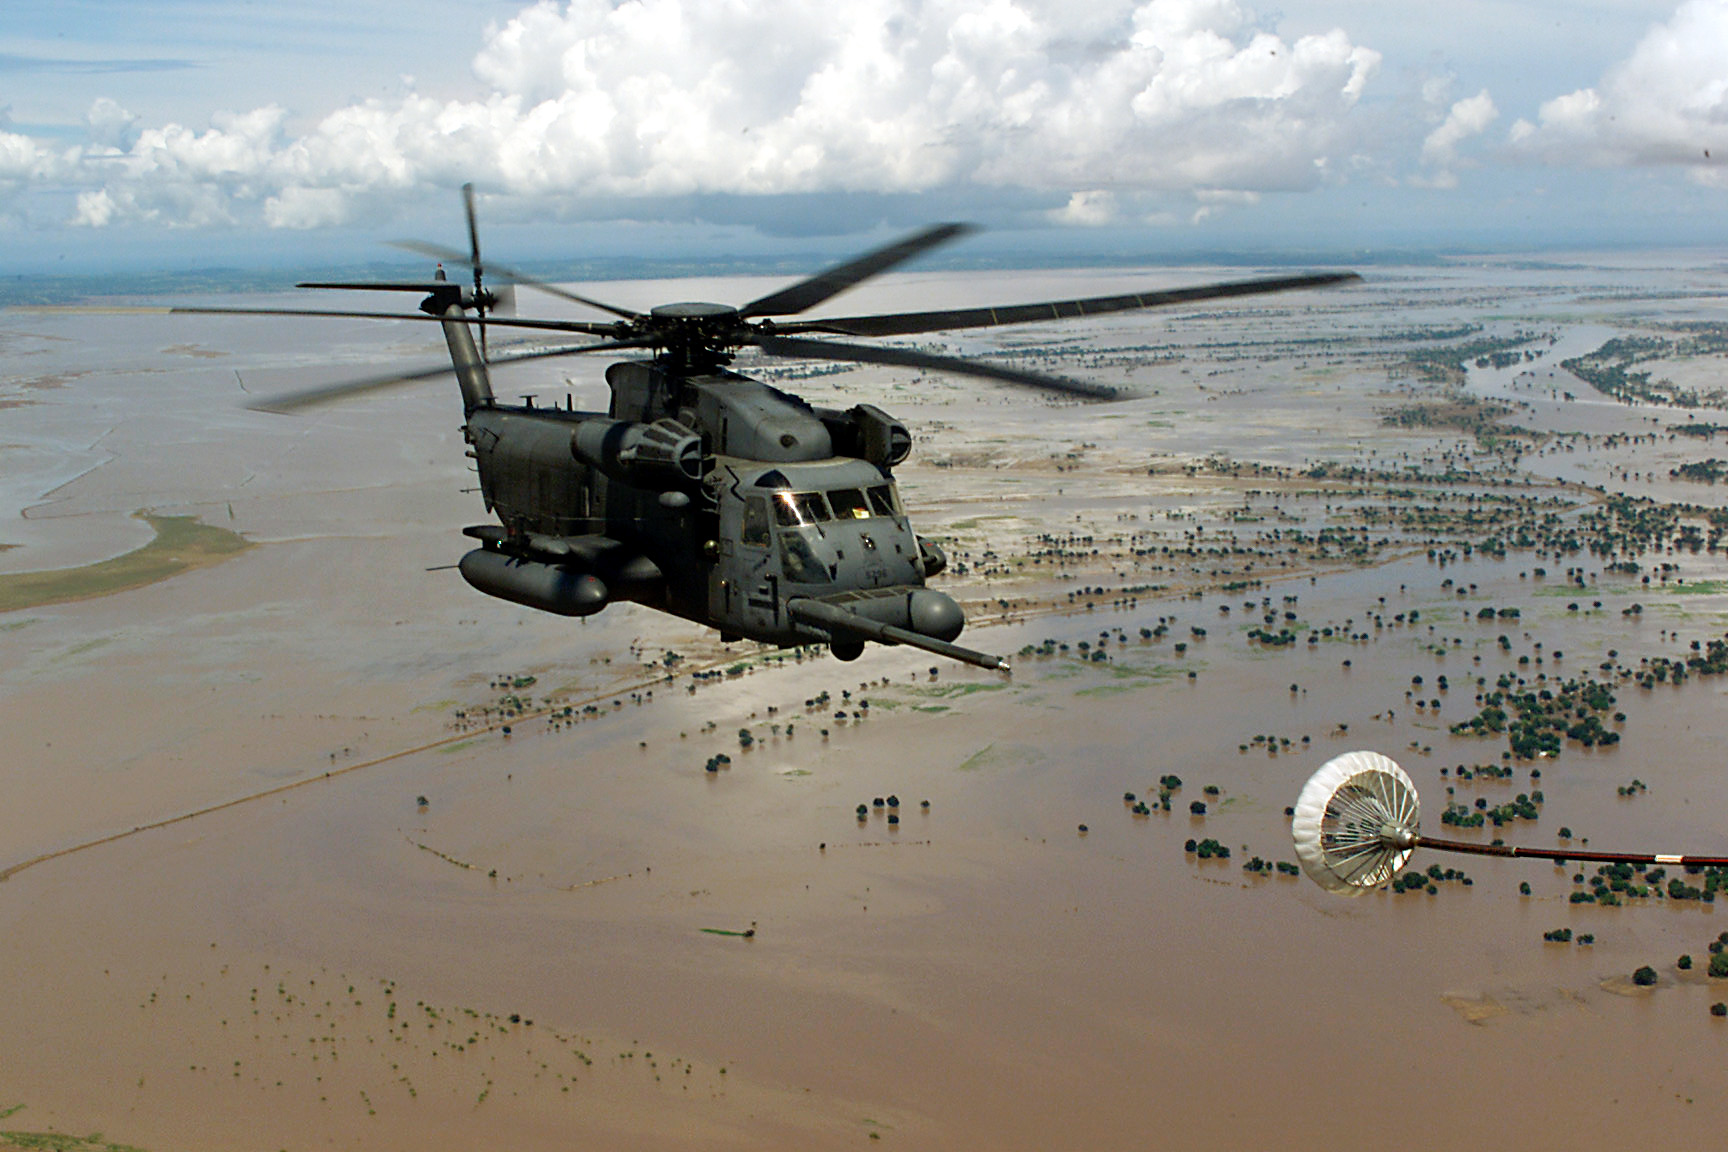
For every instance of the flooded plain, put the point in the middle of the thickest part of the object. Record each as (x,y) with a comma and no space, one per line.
(275,875)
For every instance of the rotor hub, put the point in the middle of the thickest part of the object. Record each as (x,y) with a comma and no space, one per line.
(694,310)
(698,336)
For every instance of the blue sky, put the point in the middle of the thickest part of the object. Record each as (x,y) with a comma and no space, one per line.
(208,132)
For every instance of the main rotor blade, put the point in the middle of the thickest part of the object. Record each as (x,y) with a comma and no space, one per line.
(426,287)
(474,262)
(909,323)
(286,402)
(327,393)
(473,234)
(911,358)
(579,326)
(824,285)
(452,256)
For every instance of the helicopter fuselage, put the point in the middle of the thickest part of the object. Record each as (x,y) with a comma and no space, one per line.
(711,496)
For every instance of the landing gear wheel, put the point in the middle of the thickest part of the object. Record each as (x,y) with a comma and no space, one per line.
(847,649)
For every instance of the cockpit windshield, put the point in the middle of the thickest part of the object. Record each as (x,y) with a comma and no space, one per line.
(792,509)
(848,504)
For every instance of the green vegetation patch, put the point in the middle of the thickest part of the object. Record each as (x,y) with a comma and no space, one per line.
(1609,369)
(952,691)
(61,1142)
(1458,410)
(1445,363)
(1701,471)
(1132,665)
(1692,588)
(1132,679)
(182,543)
(1116,689)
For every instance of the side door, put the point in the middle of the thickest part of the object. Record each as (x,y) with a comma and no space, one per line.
(744,589)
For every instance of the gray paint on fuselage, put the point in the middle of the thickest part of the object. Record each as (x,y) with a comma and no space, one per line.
(534,483)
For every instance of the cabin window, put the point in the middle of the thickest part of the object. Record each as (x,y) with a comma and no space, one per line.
(848,504)
(755,530)
(882,500)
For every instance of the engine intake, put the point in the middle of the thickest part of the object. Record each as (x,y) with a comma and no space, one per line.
(867,432)
(664,454)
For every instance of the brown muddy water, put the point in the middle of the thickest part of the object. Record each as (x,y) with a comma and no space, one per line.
(293,952)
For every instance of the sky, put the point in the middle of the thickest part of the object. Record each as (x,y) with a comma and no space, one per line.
(203,133)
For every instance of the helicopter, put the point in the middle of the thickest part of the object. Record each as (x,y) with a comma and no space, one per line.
(700,491)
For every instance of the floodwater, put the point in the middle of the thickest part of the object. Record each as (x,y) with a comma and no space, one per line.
(292,951)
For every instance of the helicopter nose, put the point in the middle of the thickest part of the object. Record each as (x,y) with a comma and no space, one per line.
(933,613)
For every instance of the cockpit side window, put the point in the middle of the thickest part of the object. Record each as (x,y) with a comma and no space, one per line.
(755,529)
(882,500)
(848,504)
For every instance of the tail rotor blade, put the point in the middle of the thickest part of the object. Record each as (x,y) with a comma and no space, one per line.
(454,256)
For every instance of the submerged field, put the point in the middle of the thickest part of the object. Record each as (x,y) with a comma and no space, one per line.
(276,875)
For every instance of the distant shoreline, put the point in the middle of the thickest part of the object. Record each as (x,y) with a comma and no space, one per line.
(25,290)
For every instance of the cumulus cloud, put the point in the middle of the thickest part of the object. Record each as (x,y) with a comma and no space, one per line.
(661,98)
(25,162)
(1214,200)
(111,126)
(1091,208)
(1665,104)
(1466,118)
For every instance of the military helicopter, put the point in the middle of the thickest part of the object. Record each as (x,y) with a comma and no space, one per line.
(700,491)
